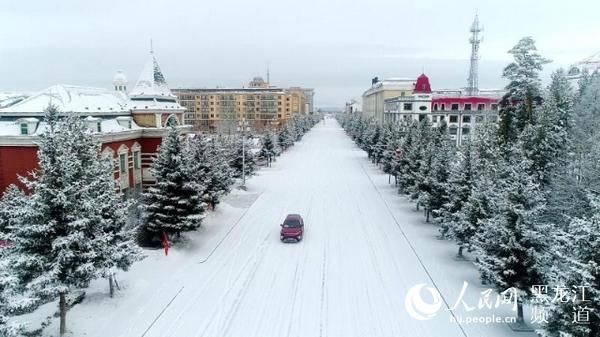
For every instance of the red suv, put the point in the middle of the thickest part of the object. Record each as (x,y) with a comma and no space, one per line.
(292,228)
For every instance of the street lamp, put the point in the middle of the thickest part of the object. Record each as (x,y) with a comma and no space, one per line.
(243,127)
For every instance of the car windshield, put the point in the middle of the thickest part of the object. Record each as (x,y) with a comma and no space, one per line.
(291,223)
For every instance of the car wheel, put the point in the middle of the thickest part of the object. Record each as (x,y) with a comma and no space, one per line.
(300,238)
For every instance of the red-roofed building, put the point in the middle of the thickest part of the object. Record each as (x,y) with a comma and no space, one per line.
(461,112)
(129,126)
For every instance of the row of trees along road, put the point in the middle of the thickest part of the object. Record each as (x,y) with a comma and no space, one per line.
(72,226)
(521,195)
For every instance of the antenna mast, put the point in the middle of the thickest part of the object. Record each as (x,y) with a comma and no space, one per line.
(475,40)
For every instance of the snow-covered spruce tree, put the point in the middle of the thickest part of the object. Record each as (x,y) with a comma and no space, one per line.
(299,124)
(174,204)
(209,168)
(486,163)
(390,144)
(285,138)
(382,143)
(523,91)
(118,248)
(510,245)
(221,178)
(69,231)
(408,151)
(458,188)
(579,173)
(545,142)
(12,204)
(243,155)
(580,262)
(420,156)
(443,153)
(372,140)
(267,149)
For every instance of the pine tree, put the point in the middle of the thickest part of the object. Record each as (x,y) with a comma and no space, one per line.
(221,178)
(209,169)
(408,152)
(174,204)
(63,236)
(511,243)
(580,262)
(286,137)
(481,203)
(459,188)
(523,91)
(267,150)
(420,157)
(243,158)
(575,170)
(118,249)
(443,152)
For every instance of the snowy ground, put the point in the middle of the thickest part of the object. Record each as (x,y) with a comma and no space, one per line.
(364,248)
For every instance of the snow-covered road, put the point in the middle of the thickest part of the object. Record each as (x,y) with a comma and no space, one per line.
(348,277)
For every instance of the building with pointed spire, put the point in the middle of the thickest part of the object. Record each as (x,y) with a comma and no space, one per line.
(151,102)
(129,125)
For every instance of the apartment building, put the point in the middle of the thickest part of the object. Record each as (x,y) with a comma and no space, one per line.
(261,105)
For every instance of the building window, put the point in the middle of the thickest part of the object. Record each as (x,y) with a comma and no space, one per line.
(465,131)
(453,130)
(99,127)
(481,106)
(453,119)
(136,160)
(494,106)
(468,106)
(407,107)
(466,119)
(123,162)
(443,106)
(24,129)
(478,119)
(442,118)
(454,106)
(422,108)
(422,117)
(435,107)
(434,119)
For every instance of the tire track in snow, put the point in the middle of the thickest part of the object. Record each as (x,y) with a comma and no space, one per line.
(242,292)
(230,230)
(298,273)
(414,251)
(323,288)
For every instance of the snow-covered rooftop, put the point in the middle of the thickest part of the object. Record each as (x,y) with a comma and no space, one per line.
(589,64)
(67,98)
(9,98)
(151,82)
(110,125)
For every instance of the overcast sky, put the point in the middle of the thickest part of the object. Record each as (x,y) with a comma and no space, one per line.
(335,46)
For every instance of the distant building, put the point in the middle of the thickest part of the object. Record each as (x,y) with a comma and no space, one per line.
(130,126)
(461,112)
(373,99)
(590,64)
(262,105)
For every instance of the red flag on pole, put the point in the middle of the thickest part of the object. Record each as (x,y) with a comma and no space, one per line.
(165,243)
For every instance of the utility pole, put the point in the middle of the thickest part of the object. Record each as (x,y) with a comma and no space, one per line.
(475,40)
(242,127)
